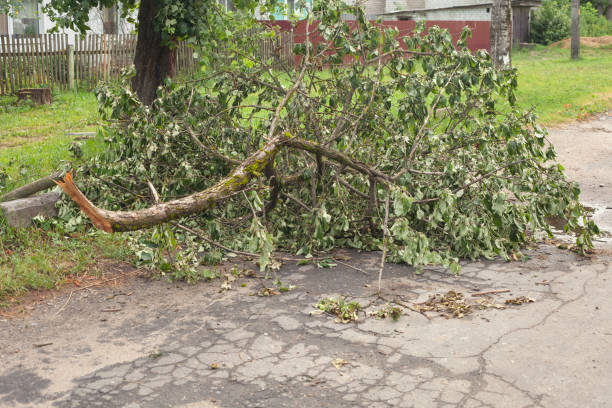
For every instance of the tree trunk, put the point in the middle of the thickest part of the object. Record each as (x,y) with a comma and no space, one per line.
(153,60)
(575,29)
(501,33)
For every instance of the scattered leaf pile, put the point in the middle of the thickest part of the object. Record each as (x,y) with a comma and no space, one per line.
(454,304)
(451,304)
(519,300)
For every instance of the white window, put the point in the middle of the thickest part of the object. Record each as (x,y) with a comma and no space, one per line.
(27,21)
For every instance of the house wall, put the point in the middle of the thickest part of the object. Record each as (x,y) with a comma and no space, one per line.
(476,13)
(374,8)
(479,39)
(440,4)
(398,5)
(95,23)
(455,10)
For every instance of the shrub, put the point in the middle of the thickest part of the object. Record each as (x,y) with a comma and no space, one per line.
(550,23)
(591,23)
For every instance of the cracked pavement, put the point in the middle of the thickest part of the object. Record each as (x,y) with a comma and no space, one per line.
(157,344)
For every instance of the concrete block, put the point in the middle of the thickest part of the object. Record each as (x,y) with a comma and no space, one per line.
(19,213)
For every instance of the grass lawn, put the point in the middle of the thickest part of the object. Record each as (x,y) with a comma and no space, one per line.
(560,89)
(34,140)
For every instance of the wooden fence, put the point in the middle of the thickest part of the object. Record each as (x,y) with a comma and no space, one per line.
(50,60)
(279,49)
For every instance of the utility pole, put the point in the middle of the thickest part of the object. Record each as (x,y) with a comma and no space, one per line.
(575,29)
(500,33)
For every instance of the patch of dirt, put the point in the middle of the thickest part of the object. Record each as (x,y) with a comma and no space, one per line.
(592,42)
(115,275)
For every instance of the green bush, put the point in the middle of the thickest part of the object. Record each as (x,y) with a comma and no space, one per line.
(591,23)
(552,22)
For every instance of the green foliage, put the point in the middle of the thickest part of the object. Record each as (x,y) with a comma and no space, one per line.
(552,22)
(469,176)
(394,312)
(592,24)
(175,20)
(345,312)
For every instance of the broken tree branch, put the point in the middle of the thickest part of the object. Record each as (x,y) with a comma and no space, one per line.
(117,221)
(31,188)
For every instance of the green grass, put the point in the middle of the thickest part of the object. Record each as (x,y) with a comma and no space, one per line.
(23,123)
(24,163)
(34,141)
(560,89)
(41,258)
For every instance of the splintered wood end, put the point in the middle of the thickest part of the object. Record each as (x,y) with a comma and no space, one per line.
(86,206)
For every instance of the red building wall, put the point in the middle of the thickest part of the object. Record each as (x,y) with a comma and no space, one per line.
(479,39)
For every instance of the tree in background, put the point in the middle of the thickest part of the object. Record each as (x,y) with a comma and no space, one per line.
(575,29)
(161,24)
(501,33)
(604,8)
(552,21)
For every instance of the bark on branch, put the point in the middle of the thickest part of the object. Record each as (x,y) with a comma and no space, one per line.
(117,221)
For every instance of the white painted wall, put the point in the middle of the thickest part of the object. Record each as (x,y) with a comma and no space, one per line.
(398,5)
(95,23)
(453,10)
(375,8)
(476,13)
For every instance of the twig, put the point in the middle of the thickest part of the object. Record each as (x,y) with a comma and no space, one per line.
(210,150)
(491,292)
(98,283)
(153,192)
(385,234)
(115,309)
(210,241)
(297,200)
(407,306)
(64,305)
(350,266)
(39,345)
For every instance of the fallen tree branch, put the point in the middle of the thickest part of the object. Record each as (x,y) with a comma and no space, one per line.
(491,292)
(117,221)
(336,156)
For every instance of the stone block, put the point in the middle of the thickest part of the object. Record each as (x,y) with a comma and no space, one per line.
(19,213)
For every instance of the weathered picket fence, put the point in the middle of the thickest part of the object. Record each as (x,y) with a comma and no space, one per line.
(51,60)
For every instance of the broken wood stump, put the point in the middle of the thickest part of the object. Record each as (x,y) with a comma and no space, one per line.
(40,96)
(31,188)
(19,213)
